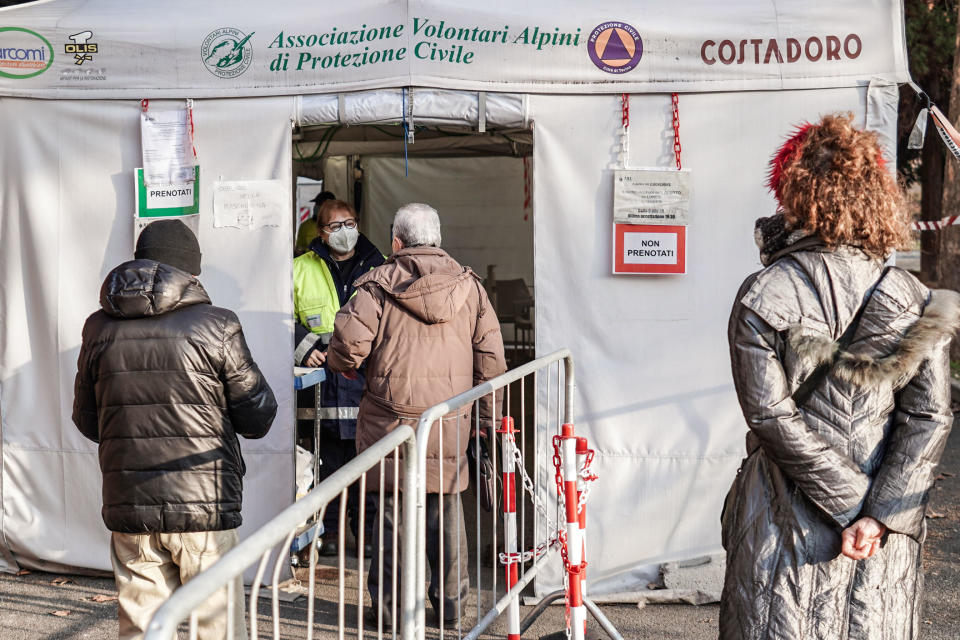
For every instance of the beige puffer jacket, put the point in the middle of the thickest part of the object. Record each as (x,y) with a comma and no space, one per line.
(427,331)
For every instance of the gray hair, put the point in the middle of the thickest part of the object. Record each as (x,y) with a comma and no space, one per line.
(417,225)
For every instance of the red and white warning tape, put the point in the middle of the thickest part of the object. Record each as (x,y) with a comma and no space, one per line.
(935,225)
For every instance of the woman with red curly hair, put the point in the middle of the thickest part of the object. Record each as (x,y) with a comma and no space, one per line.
(841,368)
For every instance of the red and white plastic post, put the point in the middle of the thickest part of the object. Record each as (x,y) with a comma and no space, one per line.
(582,451)
(510,542)
(578,613)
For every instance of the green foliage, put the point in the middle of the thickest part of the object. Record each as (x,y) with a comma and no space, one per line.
(931,28)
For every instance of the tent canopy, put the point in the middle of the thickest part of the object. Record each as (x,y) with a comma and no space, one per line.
(103,49)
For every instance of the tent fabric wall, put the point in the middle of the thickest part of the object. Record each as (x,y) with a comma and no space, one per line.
(480,202)
(67,198)
(653,388)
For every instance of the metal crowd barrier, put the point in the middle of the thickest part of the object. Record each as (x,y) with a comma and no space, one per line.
(549,411)
(529,470)
(398,450)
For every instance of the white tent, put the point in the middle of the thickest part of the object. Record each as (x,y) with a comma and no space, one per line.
(654,392)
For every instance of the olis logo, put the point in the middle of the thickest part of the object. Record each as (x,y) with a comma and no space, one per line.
(227,52)
(81,47)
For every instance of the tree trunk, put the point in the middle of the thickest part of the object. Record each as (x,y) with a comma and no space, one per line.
(932,200)
(950,237)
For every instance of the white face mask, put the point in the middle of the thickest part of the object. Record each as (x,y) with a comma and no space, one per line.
(343,240)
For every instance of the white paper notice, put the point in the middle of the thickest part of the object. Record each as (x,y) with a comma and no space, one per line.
(167,147)
(651,196)
(249,204)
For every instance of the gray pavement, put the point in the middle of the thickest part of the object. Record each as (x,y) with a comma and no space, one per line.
(42,605)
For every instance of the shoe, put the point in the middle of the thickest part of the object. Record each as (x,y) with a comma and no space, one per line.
(449,619)
(329,547)
(370,617)
(449,612)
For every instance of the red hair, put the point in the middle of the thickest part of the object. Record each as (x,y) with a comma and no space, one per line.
(831,180)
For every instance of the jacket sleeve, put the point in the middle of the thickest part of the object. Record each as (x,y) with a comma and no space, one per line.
(306,343)
(354,330)
(85,414)
(250,400)
(489,360)
(922,422)
(827,477)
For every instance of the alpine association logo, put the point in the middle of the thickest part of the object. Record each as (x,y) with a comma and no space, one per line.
(615,47)
(227,52)
(81,47)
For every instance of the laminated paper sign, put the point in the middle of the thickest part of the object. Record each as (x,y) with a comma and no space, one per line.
(249,204)
(166,201)
(167,140)
(651,196)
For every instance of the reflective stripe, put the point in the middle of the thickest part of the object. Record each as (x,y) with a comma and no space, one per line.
(339,413)
(305,345)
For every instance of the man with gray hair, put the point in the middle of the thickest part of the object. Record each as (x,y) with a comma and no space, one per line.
(426,329)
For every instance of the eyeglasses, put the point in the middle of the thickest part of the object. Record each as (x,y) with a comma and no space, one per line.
(333,227)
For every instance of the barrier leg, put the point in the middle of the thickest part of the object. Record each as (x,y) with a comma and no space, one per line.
(510,543)
(578,614)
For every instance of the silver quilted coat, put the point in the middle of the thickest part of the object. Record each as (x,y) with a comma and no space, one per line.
(865,442)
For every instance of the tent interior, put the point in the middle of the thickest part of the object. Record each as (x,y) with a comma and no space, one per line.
(480,183)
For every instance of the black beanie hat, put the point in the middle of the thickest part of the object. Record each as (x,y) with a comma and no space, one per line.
(170,242)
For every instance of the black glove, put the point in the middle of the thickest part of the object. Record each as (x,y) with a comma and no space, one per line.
(479,457)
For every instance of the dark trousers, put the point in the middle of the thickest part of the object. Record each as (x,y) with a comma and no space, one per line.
(334,453)
(456,581)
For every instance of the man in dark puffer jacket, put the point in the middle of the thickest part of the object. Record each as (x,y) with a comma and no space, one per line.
(165,383)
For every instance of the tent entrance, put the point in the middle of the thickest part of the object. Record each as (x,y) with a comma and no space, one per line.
(480,183)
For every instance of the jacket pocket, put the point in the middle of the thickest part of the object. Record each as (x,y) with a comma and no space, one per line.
(204,543)
(316,315)
(732,504)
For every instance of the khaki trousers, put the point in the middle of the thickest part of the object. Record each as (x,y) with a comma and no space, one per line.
(150,566)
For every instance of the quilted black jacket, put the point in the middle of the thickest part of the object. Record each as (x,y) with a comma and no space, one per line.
(165,383)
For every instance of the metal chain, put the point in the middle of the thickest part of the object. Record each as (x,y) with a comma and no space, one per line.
(558,465)
(533,554)
(675,98)
(527,482)
(587,476)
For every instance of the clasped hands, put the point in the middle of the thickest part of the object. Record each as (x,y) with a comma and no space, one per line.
(862,538)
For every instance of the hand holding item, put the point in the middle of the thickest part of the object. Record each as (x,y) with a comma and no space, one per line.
(315,359)
(350,374)
(862,539)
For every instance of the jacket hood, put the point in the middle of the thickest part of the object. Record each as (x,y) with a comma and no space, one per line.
(142,288)
(916,333)
(425,281)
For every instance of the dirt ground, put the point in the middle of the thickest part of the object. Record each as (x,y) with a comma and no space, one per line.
(42,605)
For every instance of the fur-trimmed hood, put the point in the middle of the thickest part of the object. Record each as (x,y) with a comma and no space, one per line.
(938,321)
